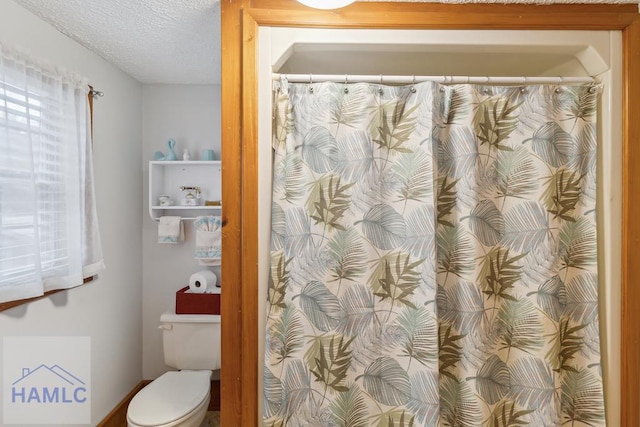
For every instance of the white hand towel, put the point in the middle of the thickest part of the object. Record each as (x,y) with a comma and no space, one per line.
(208,240)
(170,230)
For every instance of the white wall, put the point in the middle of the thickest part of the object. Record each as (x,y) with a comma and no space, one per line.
(108,309)
(190,114)
(579,53)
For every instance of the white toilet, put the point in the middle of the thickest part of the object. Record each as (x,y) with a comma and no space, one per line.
(191,343)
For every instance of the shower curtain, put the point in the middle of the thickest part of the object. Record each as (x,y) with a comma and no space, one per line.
(433,257)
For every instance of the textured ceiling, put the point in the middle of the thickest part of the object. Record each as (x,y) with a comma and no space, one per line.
(163,41)
(155,41)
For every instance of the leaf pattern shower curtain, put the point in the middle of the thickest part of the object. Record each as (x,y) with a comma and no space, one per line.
(433,257)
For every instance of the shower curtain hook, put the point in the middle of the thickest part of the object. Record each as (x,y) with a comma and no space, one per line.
(595,85)
(284,83)
(413,87)
(559,85)
(380,91)
(346,80)
(486,89)
(310,83)
(524,85)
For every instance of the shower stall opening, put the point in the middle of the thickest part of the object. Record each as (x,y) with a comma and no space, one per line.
(478,54)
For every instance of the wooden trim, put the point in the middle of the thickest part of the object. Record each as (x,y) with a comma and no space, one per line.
(630,382)
(240,101)
(118,416)
(231,270)
(250,215)
(452,16)
(214,403)
(10,304)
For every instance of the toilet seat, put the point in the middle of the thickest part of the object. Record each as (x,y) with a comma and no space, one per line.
(170,398)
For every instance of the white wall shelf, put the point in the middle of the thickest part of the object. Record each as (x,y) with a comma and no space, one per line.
(166,178)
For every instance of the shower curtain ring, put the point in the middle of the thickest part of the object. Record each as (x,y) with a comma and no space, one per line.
(595,85)
(413,87)
(380,91)
(559,85)
(486,89)
(346,81)
(310,83)
(523,89)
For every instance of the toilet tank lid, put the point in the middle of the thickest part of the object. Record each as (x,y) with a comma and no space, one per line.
(170,316)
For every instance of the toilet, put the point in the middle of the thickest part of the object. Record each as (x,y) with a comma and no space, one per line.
(191,343)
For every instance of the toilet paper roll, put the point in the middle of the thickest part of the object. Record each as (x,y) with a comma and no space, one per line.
(203,282)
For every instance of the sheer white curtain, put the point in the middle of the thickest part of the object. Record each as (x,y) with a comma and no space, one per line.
(49,237)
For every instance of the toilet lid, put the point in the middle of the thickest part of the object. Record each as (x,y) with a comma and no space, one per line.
(170,397)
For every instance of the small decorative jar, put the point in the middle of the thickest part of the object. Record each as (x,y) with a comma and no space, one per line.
(165,200)
(190,199)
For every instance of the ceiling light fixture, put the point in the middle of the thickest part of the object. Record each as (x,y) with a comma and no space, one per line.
(326,4)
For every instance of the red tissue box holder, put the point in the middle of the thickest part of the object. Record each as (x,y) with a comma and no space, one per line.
(191,303)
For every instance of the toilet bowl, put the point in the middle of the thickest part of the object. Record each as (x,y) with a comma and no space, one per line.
(180,398)
(176,398)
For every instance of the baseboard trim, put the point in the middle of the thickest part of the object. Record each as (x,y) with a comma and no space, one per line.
(214,403)
(118,416)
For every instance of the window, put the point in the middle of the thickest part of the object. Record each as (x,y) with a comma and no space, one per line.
(49,236)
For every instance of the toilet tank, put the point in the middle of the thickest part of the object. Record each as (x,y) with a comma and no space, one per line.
(191,341)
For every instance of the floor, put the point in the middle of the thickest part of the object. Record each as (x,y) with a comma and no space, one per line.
(213,417)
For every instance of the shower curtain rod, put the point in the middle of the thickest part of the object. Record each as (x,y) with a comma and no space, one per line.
(397,79)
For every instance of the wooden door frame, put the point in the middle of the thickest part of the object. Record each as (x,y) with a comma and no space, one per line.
(241,20)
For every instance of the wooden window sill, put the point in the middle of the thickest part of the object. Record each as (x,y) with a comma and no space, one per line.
(10,304)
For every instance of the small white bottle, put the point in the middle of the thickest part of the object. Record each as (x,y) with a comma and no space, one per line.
(186,155)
